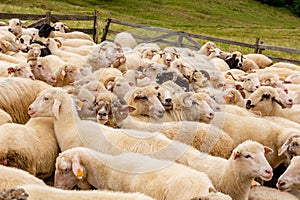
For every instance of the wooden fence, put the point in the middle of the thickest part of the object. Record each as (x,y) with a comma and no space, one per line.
(49,17)
(257,47)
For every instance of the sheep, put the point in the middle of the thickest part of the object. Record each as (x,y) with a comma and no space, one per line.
(46,30)
(249,65)
(235,175)
(8,44)
(31,147)
(81,51)
(235,60)
(166,56)
(286,65)
(11,177)
(267,193)
(159,179)
(125,39)
(66,75)
(240,128)
(261,60)
(210,101)
(119,86)
(59,26)
(38,192)
(45,51)
(205,49)
(4,117)
(234,97)
(16,94)
(283,73)
(24,42)
(269,79)
(289,180)
(76,42)
(266,101)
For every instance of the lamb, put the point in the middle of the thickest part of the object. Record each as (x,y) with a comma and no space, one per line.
(4,117)
(11,177)
(38,192)
(159,179)
(15,26)
(201,136)
(261,60)
(16,94)
(31,147)
(289,180)
(125,39)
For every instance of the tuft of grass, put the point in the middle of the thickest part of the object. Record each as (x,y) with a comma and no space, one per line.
(238,20)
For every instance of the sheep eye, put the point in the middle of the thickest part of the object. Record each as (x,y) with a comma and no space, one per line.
(248,79)
(159,94)
(18,24)
(144,98)
(295,144)
(22,40)
(18,70)
(39,66)
(46,98)
(118,85)
(248,156)
(195,103)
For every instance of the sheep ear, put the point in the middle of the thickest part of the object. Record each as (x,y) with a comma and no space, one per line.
(55,108)
(268,150)
(236,154)
(212,190)
(77,168)
(63,74)
(6,43)
(127,109)
(284,147)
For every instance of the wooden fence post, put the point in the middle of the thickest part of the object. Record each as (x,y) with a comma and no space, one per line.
(105,30)
(256,45)
(261,49)
(96,26)
(180,37)
(48,17)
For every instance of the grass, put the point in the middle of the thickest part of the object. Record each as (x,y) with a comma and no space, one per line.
(238,20)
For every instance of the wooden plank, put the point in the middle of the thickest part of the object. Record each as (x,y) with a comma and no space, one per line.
(196,44)
(73,17)
(84,30)
(277,48)
(37,23)
(96,26)
(21,16)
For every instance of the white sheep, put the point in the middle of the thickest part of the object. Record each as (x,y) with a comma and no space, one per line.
(286,65)
(261,60)
(266,132)
(125,39)
(39,192)
(16,94)
(31,147)
(159,179)
(21,70)
(15,26)
(205,49)
(235,175)
(76,42)
(294,79)
(11,177)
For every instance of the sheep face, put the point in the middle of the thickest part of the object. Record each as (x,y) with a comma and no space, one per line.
(24,42)
(21,70)
(69,172)
(45,30)
(47,103)
(206,112)
(235,60)
(61,27)
(15,26)
(103,110)
(165,98)
(250,82)
(42,71)
(8,43)
(168,57)
(291,147)
(250,156)
(290,179)
(146,102)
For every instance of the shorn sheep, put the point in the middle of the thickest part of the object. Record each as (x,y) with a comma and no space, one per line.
(16,94)
(11,177)
(31,147)
(159,179)
(39,192)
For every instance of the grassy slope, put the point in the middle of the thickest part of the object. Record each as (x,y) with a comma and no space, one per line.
(239,20)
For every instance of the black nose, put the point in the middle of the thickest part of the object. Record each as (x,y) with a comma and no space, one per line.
(168,100)
(9,29)
(102,114)
(248,104)
(281,183)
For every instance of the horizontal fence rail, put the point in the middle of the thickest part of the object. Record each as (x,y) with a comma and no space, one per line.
(49,17)
(257,47)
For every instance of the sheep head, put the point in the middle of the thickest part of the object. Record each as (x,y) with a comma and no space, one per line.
(250,157)
(291,147)
(290,179)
